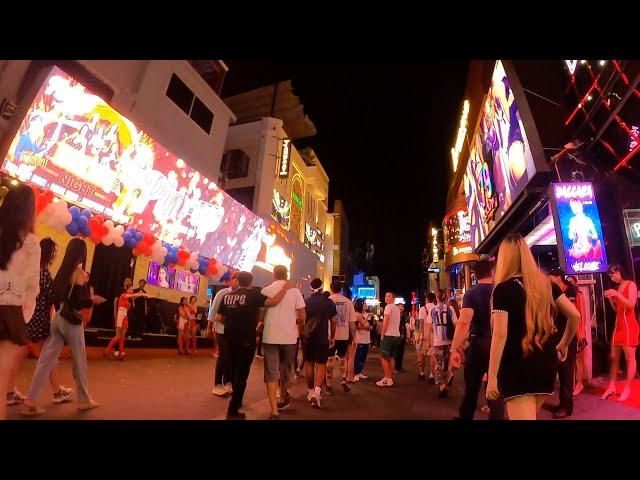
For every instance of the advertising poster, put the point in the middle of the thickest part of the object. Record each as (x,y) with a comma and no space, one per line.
(576,216)
(500,160)
(74,144)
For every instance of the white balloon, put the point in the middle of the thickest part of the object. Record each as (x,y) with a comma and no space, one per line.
(118,241)
(119,229)
(109,224)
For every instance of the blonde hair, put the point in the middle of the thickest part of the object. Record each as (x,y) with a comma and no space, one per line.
(515,258)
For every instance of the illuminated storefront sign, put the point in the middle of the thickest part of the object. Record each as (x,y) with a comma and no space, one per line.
(500,160)
(632,223)
(281,210)
(635,133)
(462,133)
(434,245)
(285,158)
(457,231)
(75,144)
(576,216)
(314,240)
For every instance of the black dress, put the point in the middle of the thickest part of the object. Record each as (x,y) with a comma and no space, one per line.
(519,375)
(40,324)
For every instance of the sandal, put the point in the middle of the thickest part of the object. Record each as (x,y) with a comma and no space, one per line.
(31,411)
(625,395)
(609,392)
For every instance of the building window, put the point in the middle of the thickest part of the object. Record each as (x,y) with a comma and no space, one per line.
(185,99)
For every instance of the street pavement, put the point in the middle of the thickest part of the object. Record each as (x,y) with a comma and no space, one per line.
(157,384)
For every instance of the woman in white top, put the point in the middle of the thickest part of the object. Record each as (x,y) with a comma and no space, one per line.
(363,340)
(19,281)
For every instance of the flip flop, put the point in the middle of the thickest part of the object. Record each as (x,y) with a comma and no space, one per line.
(609,393)
(28,411)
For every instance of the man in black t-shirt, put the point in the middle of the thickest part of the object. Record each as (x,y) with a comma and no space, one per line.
(239,313)
(317,338)
(475,318)
(566,369)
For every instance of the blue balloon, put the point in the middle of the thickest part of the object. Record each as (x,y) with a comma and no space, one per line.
(72,229)
(130,231)
(139,236)
(75,212)
(86,213)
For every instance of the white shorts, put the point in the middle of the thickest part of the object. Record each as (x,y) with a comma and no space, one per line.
(182,323)
(122,314)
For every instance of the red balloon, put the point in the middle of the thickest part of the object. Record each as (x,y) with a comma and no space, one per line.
(99,218)
(149,239)
(136,252)
(103,230)
(95,238)
(48,196)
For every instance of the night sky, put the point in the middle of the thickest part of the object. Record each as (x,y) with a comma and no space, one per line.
(385,130)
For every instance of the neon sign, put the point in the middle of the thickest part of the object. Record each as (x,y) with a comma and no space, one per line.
(75,144)
(576,215)
(571,65)
(462,132)
(285,155)
(434,246)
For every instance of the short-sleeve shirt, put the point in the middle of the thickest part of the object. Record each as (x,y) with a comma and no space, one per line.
(439,316)
(478,298)
(510,297)
(320,310)
(393,328)
(215,306)
(281,321)
(240,309)
(346,315)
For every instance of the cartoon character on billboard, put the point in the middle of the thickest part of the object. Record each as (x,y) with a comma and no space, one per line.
(583,234)
(135,162)
(30,141)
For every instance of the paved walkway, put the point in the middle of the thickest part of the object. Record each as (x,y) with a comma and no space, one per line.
(157,384)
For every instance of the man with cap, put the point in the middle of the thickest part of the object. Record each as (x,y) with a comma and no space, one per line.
(566,369)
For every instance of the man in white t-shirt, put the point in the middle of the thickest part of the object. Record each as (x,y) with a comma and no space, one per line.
(344,340)
(282,324)
(390,340)
(422,344)
(440,330)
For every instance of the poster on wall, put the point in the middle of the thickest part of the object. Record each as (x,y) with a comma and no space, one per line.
(582,249)
(281,210)
(500,160)
(169,277)
(76,145)
(457,232)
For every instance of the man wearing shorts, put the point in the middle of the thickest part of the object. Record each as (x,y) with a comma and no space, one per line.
(280,339)
(390,340)
(317,337)
(345,336)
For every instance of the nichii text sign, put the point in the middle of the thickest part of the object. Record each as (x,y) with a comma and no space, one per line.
(578,221)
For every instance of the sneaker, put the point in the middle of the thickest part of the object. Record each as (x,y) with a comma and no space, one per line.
(90,405)
(220,391)
(62,395)
(15,398)
(229,388)
(356,379)
(362,376)
(329,390)
(385,382)
(315,401)
(284,404)
(236,416)
(345,386)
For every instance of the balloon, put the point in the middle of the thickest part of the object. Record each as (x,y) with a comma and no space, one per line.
(136,252)
(73,229)
(83,225)
(75,212)
(109,224)
(86,213)
(149,239)
(118,242)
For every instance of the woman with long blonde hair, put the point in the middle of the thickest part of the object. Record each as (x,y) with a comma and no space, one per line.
(522,364)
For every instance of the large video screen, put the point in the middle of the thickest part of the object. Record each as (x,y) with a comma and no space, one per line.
(578,219)
(500,160)
(169,277)
(73,143)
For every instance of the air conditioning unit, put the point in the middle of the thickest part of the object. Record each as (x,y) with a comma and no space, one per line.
(235,164)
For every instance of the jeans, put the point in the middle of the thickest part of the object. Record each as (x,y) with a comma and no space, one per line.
(223,370)
(566,375)
(241,353)
(476,365)
(62,332)
(361,357)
